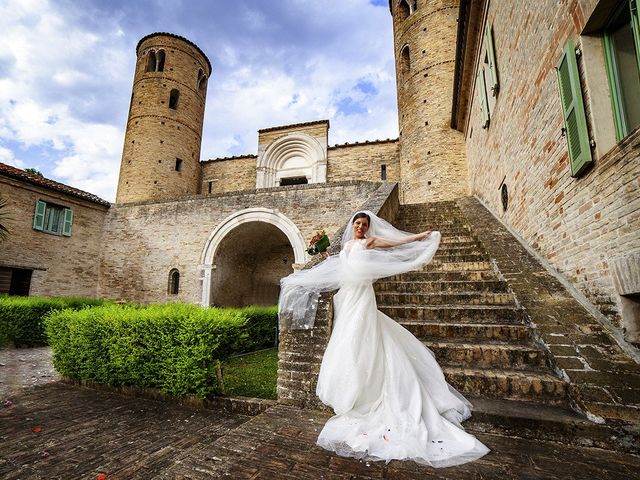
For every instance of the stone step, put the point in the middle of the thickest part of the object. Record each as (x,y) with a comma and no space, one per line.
(498,355)
(507,384)
(456,257)
(442,266)
(495,286)
(445,298)
(445,276)
(455,313)
(457,240)
(477,332)
(559,424)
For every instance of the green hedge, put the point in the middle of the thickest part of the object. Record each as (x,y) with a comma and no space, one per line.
(22,318)
(175,348)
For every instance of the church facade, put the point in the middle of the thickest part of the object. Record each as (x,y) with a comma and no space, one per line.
(530,110)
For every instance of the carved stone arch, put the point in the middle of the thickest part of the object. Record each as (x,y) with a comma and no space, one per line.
(267,215)
(292,155)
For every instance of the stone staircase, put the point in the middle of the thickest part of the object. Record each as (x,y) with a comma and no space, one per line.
(465,313)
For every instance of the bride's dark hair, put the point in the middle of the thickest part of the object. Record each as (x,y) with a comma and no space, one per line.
(361,215)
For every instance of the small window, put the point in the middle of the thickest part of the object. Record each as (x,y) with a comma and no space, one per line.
(383,172)
(210,186)
(405,60)
(622,59)
(178,165)
(174,282)
(52,218)
(293,181)
(151,61)
(173,99)
(404,10)
(202,81)
(160,61)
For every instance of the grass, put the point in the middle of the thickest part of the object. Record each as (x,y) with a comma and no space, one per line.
(252,375)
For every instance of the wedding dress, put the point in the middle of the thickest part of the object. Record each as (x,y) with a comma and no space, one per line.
(388,392)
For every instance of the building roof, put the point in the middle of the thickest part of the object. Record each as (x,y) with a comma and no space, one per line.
(167,34)
(234,157)
(364,142)
(13,172)
(304,124)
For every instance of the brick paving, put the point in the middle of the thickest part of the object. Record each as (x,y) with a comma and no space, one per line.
(63,431)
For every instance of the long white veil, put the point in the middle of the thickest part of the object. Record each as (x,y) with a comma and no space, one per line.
(300,291)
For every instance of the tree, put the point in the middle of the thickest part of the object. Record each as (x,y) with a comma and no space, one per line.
(33,171)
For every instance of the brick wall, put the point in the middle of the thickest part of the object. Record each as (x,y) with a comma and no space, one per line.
(577,224)
(229,174)
(143,242)
(363,161)
(63,266)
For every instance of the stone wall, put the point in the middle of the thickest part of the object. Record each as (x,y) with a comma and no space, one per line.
(144,241)
(432,156)
(62,266)
(363,161)
(229,174)
(577,224)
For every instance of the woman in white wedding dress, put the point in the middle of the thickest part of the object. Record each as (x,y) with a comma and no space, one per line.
(388,392)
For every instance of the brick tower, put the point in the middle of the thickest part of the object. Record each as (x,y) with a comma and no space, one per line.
(161,155)
(433,162)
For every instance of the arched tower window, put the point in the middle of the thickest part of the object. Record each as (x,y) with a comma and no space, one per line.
(404,10)
(151,61)
(174,282)
(173,99)
(405,60)
(160,62)
(202,81)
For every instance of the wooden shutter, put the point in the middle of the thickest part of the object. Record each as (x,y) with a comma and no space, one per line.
(68,220)
(575,120)
(491,55)
(484,103)
(38,217)
(635,25)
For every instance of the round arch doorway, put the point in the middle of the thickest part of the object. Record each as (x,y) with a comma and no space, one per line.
(249,262)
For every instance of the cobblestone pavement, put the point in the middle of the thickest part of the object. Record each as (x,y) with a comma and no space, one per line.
(61,431)
(21,367)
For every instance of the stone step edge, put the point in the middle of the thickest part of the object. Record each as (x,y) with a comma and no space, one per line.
(551,423)
(454,307)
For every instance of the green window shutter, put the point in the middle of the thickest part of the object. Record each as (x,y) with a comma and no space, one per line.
(38,218)
(484,103)
(68,220)
(494,86)
(575,120)
(635,25)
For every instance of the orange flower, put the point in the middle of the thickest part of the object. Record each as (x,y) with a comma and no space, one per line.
(102,476)
(37,429)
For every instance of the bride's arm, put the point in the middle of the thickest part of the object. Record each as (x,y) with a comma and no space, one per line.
(377,242)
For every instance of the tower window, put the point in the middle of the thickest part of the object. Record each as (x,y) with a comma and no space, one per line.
(405,60)
(178,165)
(404,10)
(383,172)
(173,99)
(174,282)
(160,61)
(155,61)
(202,81)
(210,186)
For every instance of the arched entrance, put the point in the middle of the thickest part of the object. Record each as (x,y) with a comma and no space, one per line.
(246,256)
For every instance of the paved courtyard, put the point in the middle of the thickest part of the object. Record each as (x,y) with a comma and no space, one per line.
(49,429)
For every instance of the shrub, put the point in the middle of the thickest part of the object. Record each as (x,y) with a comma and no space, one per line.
(21,318)
(175,348)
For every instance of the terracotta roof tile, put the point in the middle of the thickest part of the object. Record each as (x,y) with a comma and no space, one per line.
(13,172)
(304,124)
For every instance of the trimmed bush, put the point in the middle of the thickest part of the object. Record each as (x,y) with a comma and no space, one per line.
(175,348)
(22,318)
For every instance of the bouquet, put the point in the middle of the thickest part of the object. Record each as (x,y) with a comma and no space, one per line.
(318,244)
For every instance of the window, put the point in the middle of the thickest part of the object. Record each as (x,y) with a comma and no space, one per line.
(202,81)
(621,41)
(405,60)
(52,218)
(15,281)
(174,282)
(173,99)
(293,181)
(155,61)
(403,10)
(487,77)
(178,165)
(383,172)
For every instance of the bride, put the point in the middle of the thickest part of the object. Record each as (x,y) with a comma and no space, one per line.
(388,392)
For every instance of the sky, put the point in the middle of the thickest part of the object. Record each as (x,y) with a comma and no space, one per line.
(66,72)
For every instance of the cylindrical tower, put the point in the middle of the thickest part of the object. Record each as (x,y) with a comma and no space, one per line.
(161,155)
(433,162)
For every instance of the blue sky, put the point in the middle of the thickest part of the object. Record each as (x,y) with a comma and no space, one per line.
(66,68)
